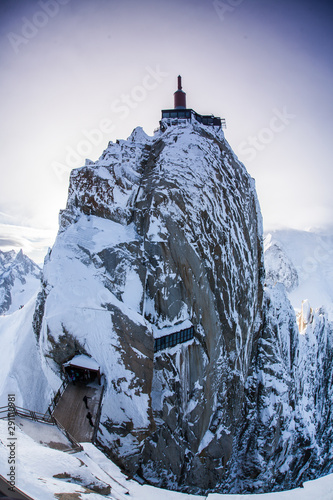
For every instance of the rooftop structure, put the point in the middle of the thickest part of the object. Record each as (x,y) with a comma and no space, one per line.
(181,112)
(179,96)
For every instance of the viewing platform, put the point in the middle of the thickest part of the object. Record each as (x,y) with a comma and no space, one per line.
(71,411)
(189,114)
(171,336)
(181,112)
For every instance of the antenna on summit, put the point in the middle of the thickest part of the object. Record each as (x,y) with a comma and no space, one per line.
(181,113)
(179,82)
(179,96)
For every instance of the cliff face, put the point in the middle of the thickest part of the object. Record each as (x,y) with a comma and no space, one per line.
(160,233)
(163,234)
(286,432)
(197,211)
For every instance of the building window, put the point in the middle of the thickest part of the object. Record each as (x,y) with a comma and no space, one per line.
(173,339)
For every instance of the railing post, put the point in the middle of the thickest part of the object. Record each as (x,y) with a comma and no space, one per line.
(98,415)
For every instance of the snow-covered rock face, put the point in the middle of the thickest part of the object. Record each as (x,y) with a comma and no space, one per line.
(19,280)
(286,434)
(160,232)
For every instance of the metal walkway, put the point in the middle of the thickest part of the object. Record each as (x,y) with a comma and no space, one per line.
(71,411)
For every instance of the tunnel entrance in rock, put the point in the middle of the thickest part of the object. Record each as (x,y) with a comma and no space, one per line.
(82,369)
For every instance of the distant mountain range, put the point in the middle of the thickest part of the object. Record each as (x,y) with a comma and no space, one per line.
(303,262)
(19,280)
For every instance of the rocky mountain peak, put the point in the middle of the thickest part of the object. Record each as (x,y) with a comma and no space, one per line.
(157,274)
(159,232)
(279,267)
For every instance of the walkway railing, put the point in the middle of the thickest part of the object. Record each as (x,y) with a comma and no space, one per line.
(98,416)
(6,412)
(76,445)
(57,396)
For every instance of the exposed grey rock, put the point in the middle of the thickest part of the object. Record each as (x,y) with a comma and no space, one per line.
(162,232)
(287,421)
(198,256)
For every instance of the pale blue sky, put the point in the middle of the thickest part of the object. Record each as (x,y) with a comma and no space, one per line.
(68,65)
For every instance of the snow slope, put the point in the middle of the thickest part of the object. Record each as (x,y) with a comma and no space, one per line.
(22,367)
(48,474)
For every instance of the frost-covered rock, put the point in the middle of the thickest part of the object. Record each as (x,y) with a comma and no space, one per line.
(163,234)
(19,280)
(158,232)
(287,434)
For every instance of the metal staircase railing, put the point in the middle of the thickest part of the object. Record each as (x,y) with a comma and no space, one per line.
(6,412)
(57,396)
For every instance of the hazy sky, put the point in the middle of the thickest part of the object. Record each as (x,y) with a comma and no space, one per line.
(78,73)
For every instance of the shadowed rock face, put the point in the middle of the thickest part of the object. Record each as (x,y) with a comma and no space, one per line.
(286,430)
(197,211)
(157,232)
